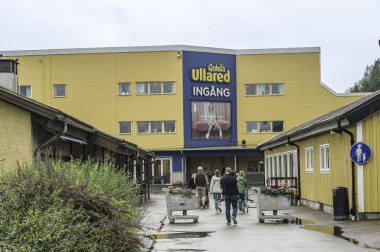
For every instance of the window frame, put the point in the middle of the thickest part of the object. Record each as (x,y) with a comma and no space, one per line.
(161,160)
(309,159)
(276,165)
(149,85)
(129,89)
(130,126)
(258,127)
(162,131)
(19,90)
(324,158)
(264,86)
(54,90)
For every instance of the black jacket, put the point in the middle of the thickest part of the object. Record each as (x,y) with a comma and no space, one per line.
(229,185)
(191,183)
(201,179)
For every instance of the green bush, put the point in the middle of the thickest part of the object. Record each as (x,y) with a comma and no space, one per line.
(68,206)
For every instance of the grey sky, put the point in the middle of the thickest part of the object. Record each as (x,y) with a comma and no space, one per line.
(346,30)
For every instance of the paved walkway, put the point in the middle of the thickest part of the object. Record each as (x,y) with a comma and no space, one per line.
(212,234)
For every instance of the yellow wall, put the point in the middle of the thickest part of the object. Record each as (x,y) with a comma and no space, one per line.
(371,131)
(92,90)
(317,186)
(15,135)
(304,98)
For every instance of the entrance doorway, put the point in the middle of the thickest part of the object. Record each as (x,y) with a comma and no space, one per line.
(162,170)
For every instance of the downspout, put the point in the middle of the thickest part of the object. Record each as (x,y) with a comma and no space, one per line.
(37,152)
(352,141)
(298,169)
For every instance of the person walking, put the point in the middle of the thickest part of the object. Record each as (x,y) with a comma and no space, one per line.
(229,187)
(216,190)
(201,182)
(242,187)
(192,183)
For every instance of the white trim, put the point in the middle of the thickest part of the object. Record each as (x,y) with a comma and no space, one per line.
(309,156)
(360,182)
(280,50)
(323,167)
(134,172)
(343,94)
(161,158)
(160,49)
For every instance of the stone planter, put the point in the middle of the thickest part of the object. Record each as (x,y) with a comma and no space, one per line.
(179,202)
(273,203)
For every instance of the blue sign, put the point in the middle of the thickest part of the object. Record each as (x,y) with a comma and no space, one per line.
(209,99)
(360,153)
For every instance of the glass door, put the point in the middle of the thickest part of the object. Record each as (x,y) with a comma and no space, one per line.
(161,171)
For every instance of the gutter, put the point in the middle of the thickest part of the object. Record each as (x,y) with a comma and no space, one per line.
(74,124)
(352,141)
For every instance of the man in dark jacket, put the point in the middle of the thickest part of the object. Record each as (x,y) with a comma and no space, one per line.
(228,183)
(201,183)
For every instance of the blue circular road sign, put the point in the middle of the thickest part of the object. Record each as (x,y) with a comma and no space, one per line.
(360,153)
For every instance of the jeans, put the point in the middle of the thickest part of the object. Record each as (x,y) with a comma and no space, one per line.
(241,201)
(230,200)
(217,197)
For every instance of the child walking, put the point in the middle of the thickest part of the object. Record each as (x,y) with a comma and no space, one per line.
(242,186)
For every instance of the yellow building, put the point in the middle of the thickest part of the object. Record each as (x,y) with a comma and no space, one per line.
(33,130)
(337,157)
(192,106)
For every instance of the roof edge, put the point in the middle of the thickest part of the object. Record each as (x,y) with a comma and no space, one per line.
(162,48)
(343,94)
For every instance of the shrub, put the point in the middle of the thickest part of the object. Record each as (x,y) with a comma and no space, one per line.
(58,206)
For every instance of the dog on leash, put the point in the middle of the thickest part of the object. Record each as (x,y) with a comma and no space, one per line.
(205,202)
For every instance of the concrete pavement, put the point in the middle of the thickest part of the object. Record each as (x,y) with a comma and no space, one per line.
(212,234)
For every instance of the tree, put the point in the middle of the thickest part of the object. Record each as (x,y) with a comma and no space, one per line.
(370,81)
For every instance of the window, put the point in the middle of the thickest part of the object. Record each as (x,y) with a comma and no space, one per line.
(169,126)
(144,88)
(255,166)
(125,127)
(277,126)
(281,168)
(252,127)
(59,90)
(264,89)
(324,151)
(124,88)
(25,90)
(265,126)
(309,164)
(156,127)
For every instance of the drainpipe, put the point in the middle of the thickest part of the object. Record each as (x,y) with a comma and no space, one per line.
(352,141)
(298,168)
(37,152)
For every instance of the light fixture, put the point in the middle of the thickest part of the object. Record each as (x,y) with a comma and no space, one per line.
(243,143)
(178,54)
(73,139)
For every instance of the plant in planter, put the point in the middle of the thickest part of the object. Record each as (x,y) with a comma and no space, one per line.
(178,190)
(274,199)
(284,190)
